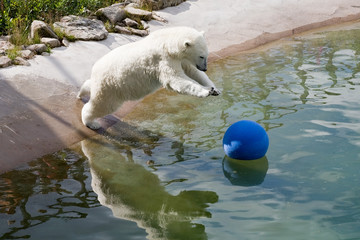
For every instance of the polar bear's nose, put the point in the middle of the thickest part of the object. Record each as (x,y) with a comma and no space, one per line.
(201,68)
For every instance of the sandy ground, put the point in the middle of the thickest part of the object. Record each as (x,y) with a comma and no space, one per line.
(39,113)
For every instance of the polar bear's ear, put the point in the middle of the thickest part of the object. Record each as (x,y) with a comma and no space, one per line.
(187,43)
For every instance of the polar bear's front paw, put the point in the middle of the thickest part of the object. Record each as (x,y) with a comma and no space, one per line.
(214,92)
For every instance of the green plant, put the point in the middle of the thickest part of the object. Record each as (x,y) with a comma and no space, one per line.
(19,34)
(146,5)
(70,38)
(48,49)
(59,32)
(13,52)
(109,27)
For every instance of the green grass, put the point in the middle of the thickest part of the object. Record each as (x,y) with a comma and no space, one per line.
(13,53)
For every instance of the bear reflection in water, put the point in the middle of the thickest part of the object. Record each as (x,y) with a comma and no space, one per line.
(134,193)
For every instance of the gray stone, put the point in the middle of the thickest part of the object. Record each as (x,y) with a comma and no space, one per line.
(130,23)
(82,28)
(37,48)
(51,42)
(42,30)
(158,18)
(5,61)
(65,42)
(160,4)
(134,12)
(113,13)
(141,33)
(144,24)
(5,38)
(27,54)
(6,45)
(45,54)
(21,61)
(122,30)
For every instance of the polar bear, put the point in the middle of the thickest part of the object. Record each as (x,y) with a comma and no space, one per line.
(173,58)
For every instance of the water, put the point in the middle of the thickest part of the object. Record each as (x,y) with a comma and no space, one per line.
(162,173)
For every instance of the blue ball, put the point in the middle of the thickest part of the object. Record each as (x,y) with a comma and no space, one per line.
(245,140)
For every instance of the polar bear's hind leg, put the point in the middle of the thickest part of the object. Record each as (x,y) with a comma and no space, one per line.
(96,109)
(88,117)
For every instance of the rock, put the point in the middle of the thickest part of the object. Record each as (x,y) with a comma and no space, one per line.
(6,45)
(42,30)
(134,12)
(141,33)
(65,42)
(27,54)
(5,61)
(158,18)
(21,61)
(5,38)
(45,54)
(150,162)
(130,23)
(144,24)
(114,14)
(51,42)
(82,28)
(37,48)
(160,4)
(122,30)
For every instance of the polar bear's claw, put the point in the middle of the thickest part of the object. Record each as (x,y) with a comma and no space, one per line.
(214,92)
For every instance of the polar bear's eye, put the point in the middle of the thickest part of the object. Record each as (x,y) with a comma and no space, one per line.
(201,57)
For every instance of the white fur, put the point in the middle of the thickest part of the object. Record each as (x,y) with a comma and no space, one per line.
(169,57)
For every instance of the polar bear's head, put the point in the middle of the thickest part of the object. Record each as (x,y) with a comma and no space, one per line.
(195,51)
(185,43)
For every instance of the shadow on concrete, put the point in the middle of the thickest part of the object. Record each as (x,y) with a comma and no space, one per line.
(37,116)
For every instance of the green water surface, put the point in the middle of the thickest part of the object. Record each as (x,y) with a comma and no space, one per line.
(161,173)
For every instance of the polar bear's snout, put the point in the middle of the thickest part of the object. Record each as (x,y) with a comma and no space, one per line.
(201,68)
(202,65)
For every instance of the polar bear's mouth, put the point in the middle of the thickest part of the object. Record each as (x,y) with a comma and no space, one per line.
(201,68)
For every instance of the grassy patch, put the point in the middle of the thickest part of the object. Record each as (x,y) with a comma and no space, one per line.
(61,34)
(13,53)
(146,5)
